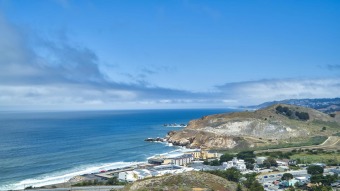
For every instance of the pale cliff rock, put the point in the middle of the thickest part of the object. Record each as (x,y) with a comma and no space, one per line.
(249,129)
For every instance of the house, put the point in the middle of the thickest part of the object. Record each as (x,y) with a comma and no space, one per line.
(282,168)
(171,169)
(259,160)
(204,154)
(137,174)
(302,180)
(127,176)
(182,160)
(197,154)
(292,162)
(207,154)
(141,174)
(281,163)
(235,163)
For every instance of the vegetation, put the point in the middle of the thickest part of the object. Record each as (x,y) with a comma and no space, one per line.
(278,154)
(231,174)
(314,170)
(311,156)
(184,181)
(251,183)
(325,180)
(256,186)
(332,115)
(287,176)
(234,175)
(304,116)
(246,155)
(110,181)
(269,162)
(316,140)
(226,157)
(337,134)
(239,187)
(212,163)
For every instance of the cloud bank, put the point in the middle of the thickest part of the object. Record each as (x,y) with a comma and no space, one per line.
(56,73)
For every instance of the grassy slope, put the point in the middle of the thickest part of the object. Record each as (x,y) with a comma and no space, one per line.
(184,181)
(269,115)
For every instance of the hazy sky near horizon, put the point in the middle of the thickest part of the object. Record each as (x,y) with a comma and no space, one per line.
(64,54)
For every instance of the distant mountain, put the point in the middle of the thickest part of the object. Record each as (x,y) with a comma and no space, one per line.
(326,105)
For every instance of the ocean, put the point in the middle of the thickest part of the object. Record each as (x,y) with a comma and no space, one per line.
(41,148)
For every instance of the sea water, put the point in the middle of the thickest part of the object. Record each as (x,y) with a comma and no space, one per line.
(41,148)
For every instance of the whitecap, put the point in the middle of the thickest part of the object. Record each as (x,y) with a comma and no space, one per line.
(64,176)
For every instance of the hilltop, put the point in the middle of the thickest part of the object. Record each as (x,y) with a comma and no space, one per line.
(326,105)
(273,125)
(184,181)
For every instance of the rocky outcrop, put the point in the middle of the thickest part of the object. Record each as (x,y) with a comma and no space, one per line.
(250,129)
(158,139)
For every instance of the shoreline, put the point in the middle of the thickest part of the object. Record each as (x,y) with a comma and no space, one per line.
(121,165)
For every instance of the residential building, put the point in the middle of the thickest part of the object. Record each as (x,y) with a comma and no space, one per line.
(235,163)
(127,176)
(259,160)
(182,160)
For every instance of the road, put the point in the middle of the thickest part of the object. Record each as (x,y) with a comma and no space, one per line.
(85,188)
(330,143)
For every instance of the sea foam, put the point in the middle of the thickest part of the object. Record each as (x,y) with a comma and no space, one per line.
(64,176)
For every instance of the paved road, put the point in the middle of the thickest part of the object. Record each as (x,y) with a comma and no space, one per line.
(85,188)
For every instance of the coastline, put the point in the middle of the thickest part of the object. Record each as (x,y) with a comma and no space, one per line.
(70,180)
(68,144)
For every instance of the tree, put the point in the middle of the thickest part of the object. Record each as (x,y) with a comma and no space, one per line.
(233,174)
(256,186)
(251,178)
(249,166)
(314,169)
(214,163)
(325,180)
(287,176)
(239,188)
(269,162)
(226,157)
(324,128)
(112,181)
(246,155)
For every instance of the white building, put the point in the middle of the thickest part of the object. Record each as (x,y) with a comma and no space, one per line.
(235,163)
(137,174)
(281,163)
(127,176)
(259,160)
(171,169)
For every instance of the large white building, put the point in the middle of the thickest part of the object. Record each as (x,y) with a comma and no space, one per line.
(235,163)
(139,174)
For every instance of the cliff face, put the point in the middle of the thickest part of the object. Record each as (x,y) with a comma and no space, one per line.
(267,126)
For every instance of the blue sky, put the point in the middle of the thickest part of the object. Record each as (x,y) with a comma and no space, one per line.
(61,54)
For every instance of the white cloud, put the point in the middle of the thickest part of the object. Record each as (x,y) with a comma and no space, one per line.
(255,92)
(60,74)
